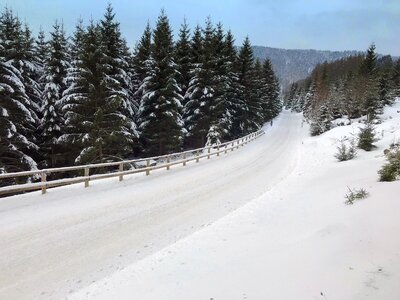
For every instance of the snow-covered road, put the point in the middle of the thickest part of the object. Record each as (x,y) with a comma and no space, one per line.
(53,245)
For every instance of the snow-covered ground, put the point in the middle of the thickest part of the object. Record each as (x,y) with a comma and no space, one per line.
(52,245)
(265,222)
(298,240)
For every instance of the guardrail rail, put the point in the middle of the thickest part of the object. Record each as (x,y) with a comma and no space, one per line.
(183,158)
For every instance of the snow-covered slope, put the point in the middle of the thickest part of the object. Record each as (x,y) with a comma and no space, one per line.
(298,240)
(52,245)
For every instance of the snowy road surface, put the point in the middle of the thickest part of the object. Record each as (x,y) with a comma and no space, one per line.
(53,245)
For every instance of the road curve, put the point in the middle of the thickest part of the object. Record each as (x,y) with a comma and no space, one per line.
(52,245)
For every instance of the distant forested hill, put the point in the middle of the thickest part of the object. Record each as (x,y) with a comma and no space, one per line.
(291,65)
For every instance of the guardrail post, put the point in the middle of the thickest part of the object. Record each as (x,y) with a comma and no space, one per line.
(86,174)
(184,159)
(43,179)
(198,154)
(168,161)
(218,150)
(147,166)
(237,144)
(121,169)
(209,150)
(226,148)
(242,142)
(233,146)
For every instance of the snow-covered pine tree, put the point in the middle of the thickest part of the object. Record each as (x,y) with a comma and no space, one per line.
(201,91)
(56,65)
(250,115)
(386,95)
(258,86)
(41,53)
(161,124)
(371,104)
(97,129)
(323,121)
(117,77)
(336,99)
(183,59)
(396,78)
(270,101)
(309,101)
(31,70)
(18,119)
(221,106)
(232,94)
(16,122)
(189,107)
(140,64)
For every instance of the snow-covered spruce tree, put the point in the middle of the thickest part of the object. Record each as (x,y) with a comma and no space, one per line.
(371,104)
(353,100)
(41,54)
(336,99)
(16,122)
(323,121)
(56,65)
(366,137)
(234,103)
(201,91)
(396,78)
(308,102)
(221,106)
(31,70)
(18,118)
(183,59)
(41,50)
(385,90)
(161,124)
(250,115)
(117,79)
(270,102)
(97,128)
(140,63)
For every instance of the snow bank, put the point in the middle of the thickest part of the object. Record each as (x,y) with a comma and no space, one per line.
(296,241)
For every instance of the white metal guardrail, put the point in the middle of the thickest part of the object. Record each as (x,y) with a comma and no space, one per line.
(184,157)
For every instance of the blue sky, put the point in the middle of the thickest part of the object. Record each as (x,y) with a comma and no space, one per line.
(300,24)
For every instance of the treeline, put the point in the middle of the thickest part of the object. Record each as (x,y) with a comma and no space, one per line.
(87,98)
(353,87)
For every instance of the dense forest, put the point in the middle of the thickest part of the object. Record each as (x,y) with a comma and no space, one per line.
(88,98)
(356,86)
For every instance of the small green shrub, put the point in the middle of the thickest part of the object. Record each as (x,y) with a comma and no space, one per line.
(366,137)
(346,150)
(354,195)
(391,170)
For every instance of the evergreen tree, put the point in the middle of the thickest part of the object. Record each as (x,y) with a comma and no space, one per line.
(220,107)
(141,63)
(15,122)
(55,72)
(160,122)
(41,54)
(396,78)
(270,101)
(386,96)
(232,92)
(190,107)
(250,115)
(371,105)
(182,59)
(97,128)
(18,118)
(323,122)
(201,92)
(117,81)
